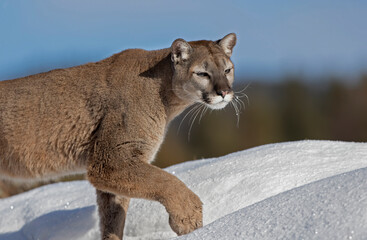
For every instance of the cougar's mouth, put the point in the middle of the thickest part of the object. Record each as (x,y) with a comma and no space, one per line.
(216,102)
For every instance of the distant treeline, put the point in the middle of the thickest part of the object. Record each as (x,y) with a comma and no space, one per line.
(288,110)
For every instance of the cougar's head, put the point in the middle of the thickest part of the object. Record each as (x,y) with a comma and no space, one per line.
(203,71)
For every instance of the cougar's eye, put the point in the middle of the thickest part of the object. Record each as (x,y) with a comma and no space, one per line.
(227,70)
(203,74)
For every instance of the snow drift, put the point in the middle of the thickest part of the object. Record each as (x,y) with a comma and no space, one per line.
(306,189)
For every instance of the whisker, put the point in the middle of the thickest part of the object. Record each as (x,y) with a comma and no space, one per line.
(244,88)
(237,99)
(192,123)
(192,109)
(194,113)
(234,107)
(238,116)
(244,95)
(240,105)
(237,112)
(203,112)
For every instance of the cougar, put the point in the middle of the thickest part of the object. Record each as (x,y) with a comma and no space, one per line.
(108,119)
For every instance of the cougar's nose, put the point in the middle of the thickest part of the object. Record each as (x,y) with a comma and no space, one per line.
(222,88)
(222,93)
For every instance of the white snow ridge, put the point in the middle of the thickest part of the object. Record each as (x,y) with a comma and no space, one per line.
(294,190)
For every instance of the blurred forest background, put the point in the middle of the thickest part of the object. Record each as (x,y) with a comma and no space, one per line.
(303,64)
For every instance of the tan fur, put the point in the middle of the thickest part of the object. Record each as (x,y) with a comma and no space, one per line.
(109,118)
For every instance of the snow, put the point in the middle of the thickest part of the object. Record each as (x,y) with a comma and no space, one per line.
(293,190)
(332,208)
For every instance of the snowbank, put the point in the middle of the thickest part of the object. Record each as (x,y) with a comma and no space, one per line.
(332,208)
(245,195)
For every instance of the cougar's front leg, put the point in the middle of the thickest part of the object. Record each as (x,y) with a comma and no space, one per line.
(123,171)
(112,211)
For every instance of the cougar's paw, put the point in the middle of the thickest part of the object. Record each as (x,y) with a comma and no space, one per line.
(187,215)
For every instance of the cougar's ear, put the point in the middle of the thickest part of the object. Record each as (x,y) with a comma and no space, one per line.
(180,51)
(227,43)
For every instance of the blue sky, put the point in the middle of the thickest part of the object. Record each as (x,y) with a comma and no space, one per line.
(312,37)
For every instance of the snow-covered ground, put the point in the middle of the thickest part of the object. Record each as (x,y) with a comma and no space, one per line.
(294,190)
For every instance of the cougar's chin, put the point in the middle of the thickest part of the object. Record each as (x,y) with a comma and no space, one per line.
(219,105)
